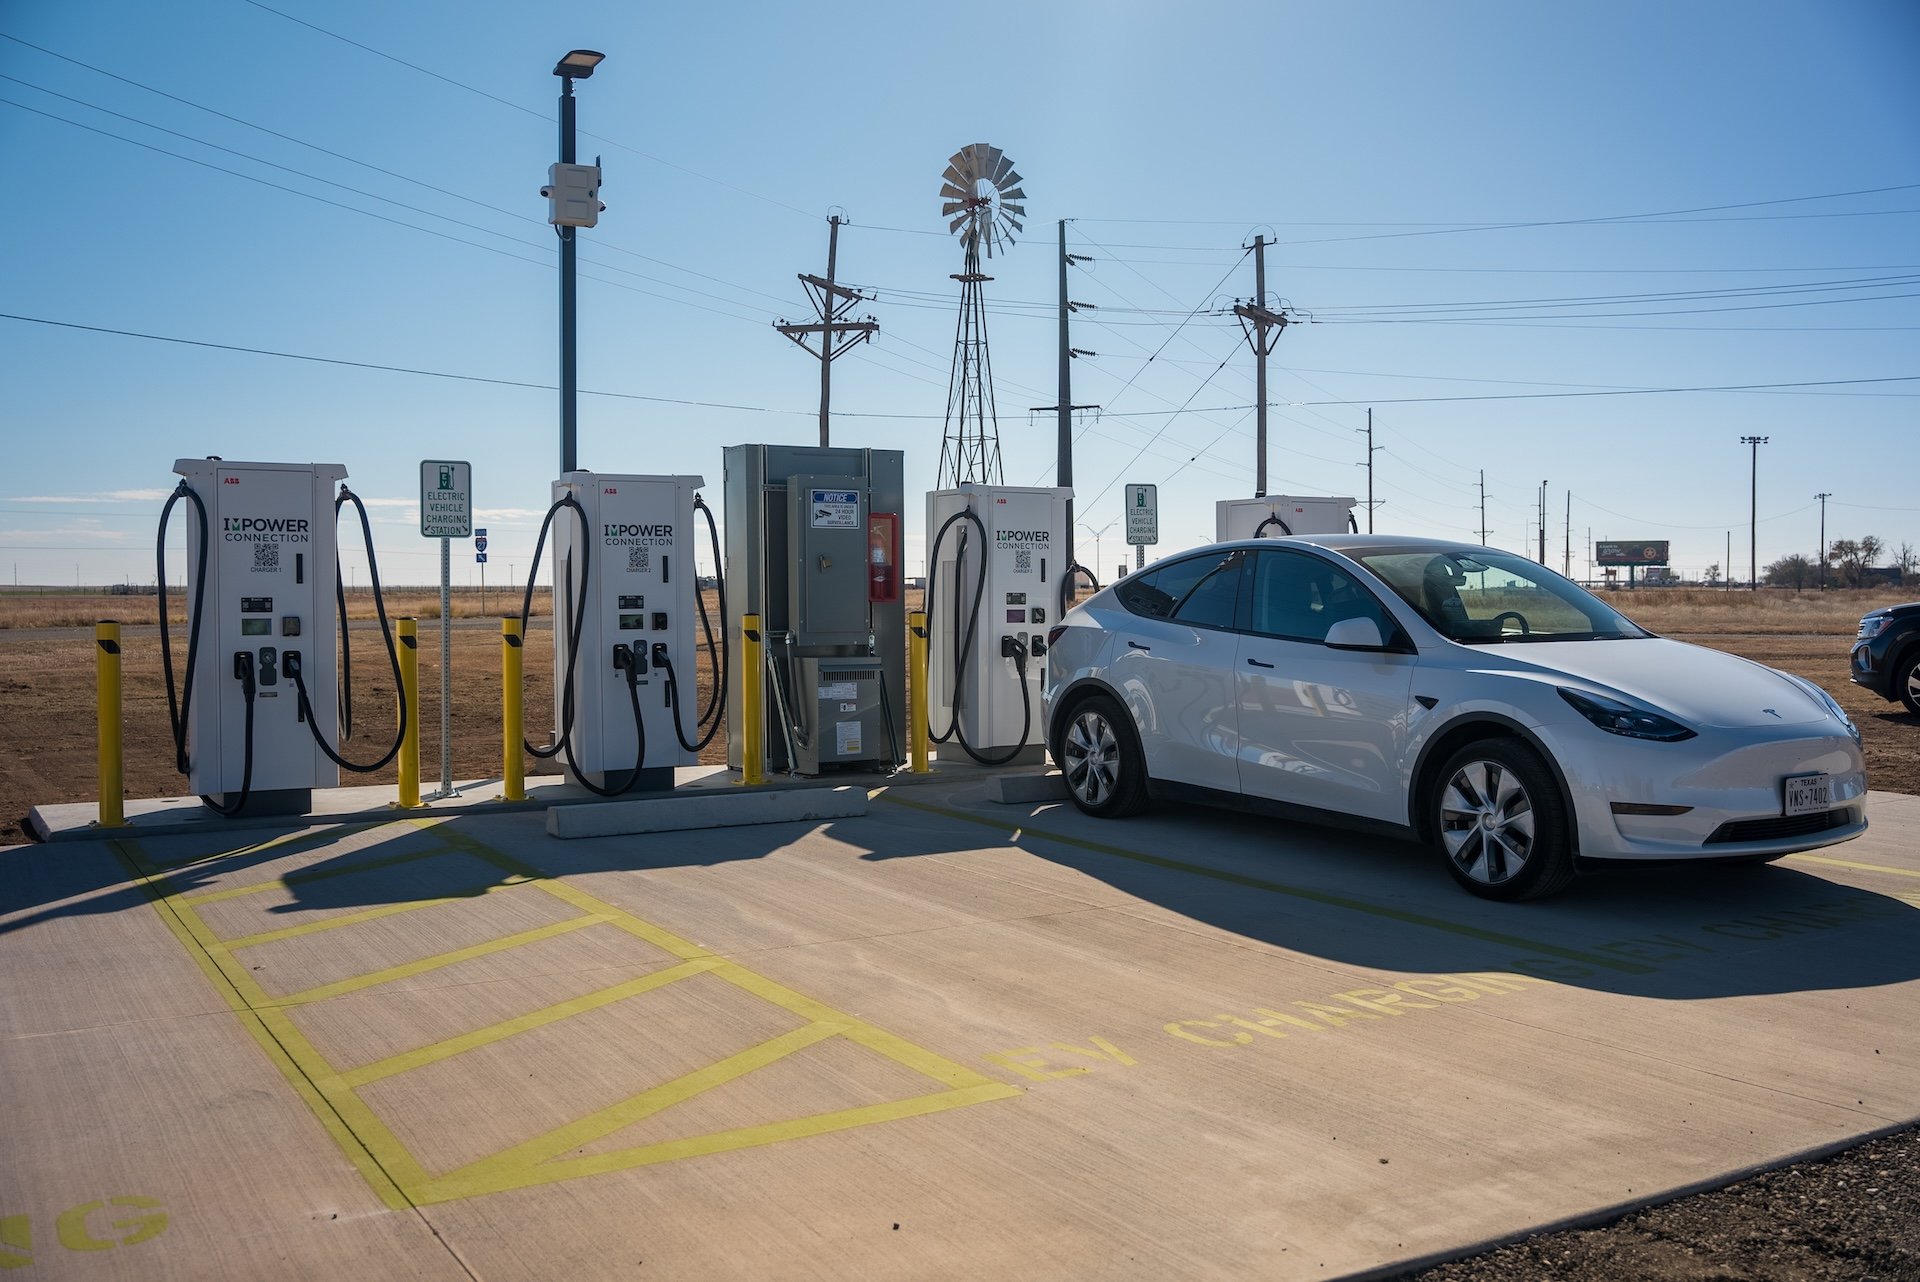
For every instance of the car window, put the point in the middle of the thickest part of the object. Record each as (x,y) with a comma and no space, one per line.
(1300,597)
(1200,590)
(1485,596)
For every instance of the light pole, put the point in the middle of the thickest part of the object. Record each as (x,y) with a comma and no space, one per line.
(577,65)
(1096,537)
(1543,522)
(1753,512)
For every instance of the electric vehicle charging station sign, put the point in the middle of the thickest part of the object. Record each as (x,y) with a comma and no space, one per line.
(1143,515)
(446,499)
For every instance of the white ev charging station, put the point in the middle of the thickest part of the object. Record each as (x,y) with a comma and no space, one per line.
(995,560)
(624,576)
(1281,514)
(262,574)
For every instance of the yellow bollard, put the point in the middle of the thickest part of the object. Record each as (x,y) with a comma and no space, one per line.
(410,694)
(513,775)
(753,722)
(106,667)
(917,692)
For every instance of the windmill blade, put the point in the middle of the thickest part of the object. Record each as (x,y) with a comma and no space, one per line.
(986,157)
(953,191)
(1013,193)
(960,222)
(957,167)
(1001,168)
(1014,223)
(952,207)
(1013,180)
(1013,206)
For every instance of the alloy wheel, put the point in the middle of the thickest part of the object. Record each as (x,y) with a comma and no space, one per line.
(1487,822)
(1092,754)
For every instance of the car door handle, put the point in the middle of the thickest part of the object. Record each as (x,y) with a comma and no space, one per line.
(1135,645)
(1258,664)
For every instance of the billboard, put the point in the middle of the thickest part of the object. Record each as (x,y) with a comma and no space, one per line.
(1636,552)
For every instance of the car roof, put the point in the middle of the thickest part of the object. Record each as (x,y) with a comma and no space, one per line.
(1349,543)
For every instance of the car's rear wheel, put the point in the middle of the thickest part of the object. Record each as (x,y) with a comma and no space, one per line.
(1499,821)
(1101,759)
(1906,680)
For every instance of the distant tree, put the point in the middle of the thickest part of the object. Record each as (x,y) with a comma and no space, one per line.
(1713,574)
(1851,558)
(1793,571)
(1908,560)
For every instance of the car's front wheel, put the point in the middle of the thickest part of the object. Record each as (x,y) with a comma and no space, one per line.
(1498,818)
(1906,680)
(1100,756)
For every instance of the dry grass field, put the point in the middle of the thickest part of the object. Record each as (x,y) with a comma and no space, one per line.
(47,698)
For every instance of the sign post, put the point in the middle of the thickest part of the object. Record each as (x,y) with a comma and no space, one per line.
(1143,520)
(480,559)
(446,513)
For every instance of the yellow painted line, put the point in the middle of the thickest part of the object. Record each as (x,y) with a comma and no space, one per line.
(286,839)
(1296,892)
(453,1187)
(353,1079)
(399,1178)
(638,1108)
(1849,863)
(369,1166)
(304,876)
(365,914)
(408,970)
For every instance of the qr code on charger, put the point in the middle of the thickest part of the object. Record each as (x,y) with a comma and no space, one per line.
(266,556)
(639,560)
(1022,561)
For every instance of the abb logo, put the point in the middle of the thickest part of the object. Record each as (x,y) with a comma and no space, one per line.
(229,480)
(611,489)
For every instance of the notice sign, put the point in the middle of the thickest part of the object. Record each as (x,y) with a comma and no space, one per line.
(835,510)
(446,499)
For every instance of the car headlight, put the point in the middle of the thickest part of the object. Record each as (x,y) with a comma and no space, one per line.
(1620,718)
(1872,626)
(1828,702)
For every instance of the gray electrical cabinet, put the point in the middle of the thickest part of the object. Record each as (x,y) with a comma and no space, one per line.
(813,540)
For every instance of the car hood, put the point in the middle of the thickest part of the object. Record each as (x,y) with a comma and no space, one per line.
(1699,686)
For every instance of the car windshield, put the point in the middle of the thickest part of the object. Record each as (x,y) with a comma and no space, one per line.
(1487,597)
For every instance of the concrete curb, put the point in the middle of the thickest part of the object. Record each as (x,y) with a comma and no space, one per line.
(722,810)
(1013,790)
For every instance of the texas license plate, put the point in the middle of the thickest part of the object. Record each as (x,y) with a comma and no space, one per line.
(1809,794)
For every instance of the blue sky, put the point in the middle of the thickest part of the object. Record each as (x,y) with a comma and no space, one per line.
(1479,208)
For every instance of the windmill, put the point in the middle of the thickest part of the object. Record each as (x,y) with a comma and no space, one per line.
(984,206)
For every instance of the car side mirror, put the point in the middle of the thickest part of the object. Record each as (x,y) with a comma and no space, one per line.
(1356,634)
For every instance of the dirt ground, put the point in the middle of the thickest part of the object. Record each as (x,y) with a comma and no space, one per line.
(1852,1217)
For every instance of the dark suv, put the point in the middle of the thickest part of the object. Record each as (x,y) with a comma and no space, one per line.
(1886,657)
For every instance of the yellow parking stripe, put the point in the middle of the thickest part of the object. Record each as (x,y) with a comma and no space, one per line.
(638,1108)
(1848,863)
(408,970)
(365,914)
(305,876)
(353,1079)
(396,1175)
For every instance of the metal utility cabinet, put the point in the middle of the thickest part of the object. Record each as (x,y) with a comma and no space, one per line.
(813,549)
(1281,514)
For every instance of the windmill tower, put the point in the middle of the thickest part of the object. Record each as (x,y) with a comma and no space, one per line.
(983,203)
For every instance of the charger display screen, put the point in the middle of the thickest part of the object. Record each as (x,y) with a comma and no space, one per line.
(256,627)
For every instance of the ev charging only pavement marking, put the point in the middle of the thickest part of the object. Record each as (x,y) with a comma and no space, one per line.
(399,1177)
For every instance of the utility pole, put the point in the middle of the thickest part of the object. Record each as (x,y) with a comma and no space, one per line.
(1255,320)
(1483,507)
(1371,450)
(1566,555)
(831,302)
(1543,522)
(1063,433)
(1753,511)
(1823,497)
